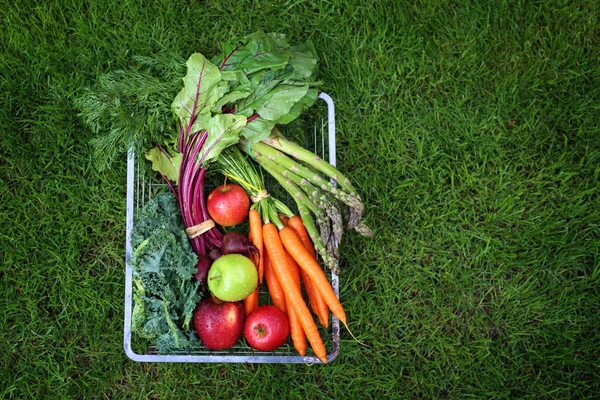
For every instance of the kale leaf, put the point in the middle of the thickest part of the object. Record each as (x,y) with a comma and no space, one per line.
(163,263)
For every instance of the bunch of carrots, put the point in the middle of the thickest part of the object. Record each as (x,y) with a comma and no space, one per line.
(286,260)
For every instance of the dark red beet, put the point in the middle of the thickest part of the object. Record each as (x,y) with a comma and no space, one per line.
(202,267)
(236,243)
(214,254)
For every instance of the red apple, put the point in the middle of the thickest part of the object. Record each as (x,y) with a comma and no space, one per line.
(228,205)
(219,325)
(266,328)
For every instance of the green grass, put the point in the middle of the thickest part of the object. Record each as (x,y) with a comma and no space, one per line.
(472,130)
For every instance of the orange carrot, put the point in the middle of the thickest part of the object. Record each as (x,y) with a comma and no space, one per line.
(317,303)
(296,331)
(294,246)
(293,266)
(297,225)
(278,258)
(315,299)
(275,290)
(257,240)
(251,302)
(284,219)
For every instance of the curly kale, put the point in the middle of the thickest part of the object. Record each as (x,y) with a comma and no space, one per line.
(162,211)
(163,263)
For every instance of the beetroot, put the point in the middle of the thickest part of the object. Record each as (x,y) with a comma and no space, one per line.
(214,254)
(236,243)
(202,267)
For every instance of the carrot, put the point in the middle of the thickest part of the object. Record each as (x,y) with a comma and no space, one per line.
(297,225)
(296,331)
(278,258)
(294,246)
(317,303)
(257,239)
(251,302)
(284,219)
(315,300)
(275,290)
(293,266)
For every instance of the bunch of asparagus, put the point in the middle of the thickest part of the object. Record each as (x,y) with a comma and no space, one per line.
(323,195)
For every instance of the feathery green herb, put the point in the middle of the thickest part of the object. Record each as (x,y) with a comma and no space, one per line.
(131,107)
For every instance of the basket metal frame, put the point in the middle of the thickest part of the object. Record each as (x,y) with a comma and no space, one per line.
(239,353)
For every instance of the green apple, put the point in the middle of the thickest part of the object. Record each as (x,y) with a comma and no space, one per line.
(232,277)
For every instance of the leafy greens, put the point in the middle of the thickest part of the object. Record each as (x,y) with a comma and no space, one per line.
(255,83)
(261,79)
(163,264)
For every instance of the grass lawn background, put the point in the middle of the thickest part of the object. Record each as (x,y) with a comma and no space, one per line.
(470,128)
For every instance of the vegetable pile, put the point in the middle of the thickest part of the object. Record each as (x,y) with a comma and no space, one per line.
(226,117)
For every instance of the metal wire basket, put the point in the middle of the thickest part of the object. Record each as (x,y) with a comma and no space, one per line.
(316,131)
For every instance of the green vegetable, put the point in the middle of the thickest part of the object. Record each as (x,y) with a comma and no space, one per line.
(131,107)
(163,264)
(306,209)
(259,73)
(272,80)
(318,189)
(257,82)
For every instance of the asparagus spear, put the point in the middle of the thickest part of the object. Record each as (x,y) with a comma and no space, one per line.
(313,177)
(300,153)
(330,259)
